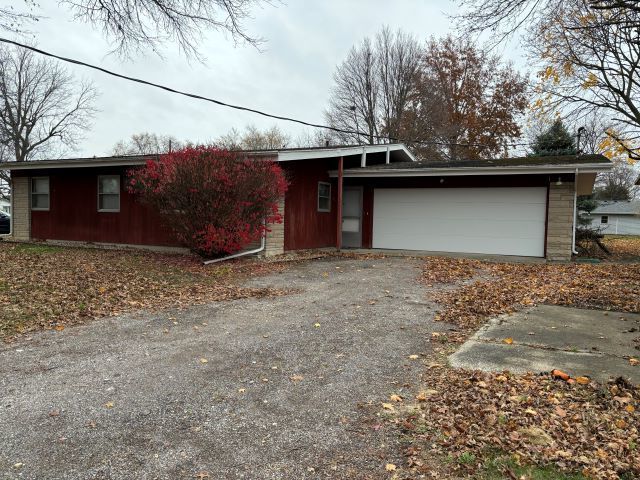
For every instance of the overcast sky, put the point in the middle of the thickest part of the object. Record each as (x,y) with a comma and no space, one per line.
(291,76)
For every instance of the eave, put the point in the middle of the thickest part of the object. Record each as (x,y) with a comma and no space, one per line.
(465,171)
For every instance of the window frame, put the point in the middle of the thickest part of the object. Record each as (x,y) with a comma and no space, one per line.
(604,219)
(100,194)
(328,197)
(32,193)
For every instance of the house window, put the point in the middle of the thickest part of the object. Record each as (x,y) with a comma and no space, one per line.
(109,193)
(604,219)
(324,197)
(40,193)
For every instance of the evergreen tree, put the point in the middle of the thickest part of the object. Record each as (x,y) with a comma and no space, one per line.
(556,140)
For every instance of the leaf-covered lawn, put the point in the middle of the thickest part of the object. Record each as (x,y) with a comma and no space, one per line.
(498,425)
(490,289)
(50,287)
(502,425)
(622,248)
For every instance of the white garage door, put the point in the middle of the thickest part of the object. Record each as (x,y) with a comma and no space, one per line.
(503,221)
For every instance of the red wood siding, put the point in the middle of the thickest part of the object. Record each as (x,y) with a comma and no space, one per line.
(73,213)
(305,227)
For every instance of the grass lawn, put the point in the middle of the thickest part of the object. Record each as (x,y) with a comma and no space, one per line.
(471,424)
(43,287)
(622,247)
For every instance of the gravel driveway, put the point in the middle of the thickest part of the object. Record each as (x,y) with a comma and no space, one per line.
(257,388)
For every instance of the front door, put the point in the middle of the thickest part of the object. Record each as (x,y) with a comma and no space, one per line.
(352,217)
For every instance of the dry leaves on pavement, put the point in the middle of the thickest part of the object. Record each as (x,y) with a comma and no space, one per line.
(534,418)
(507,287)
(49,287)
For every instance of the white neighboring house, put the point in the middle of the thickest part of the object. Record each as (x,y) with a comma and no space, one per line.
(5,205)
(617,218)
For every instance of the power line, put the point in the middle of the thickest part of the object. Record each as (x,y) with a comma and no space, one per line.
(238,107)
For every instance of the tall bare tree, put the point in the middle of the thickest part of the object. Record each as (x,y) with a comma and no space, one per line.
(43,110)
(146,143)
(254,139)
(373,87)
(618,184)
(42,107)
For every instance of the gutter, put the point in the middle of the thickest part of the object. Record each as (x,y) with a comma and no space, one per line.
(263,244)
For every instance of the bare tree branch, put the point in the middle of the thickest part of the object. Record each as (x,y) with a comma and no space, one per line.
(42,108)
(373,87)
(134,25)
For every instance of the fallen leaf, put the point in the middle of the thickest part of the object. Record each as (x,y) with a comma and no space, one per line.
(296,378)
(388,406)
(508,340)
(390,467)
(204,360)
(560,374)
(634,361)
(395,398)
(317,325)
(109,405)
(59,328)
(414,357)
(583,380)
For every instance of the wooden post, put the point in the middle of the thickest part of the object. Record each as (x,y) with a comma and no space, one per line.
(339,212)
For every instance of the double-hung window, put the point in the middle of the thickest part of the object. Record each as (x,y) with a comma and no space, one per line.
(324,197)
(604,219)
(39,193)
(109,193)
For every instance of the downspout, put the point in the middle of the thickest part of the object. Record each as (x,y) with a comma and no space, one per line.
(263,244)
(575,213)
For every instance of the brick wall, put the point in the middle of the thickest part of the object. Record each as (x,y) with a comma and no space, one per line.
(560,222)
(20,213)
(275,238)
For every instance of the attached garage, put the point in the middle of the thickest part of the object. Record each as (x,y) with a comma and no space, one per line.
(503,221)
(523,206)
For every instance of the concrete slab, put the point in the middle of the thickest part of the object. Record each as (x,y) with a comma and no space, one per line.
(581,342)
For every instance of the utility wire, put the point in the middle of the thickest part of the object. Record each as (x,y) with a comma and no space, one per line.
(238,107)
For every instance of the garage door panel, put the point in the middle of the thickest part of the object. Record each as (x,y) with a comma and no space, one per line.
(430,208)
(463,226)
(508,221)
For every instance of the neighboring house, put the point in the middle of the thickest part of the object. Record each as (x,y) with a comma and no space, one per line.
(510,206)
(617,218)
(5,205)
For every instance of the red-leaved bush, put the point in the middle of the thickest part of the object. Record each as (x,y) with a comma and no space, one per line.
(215,201)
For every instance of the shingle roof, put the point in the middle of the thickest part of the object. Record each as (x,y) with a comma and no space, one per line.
(499,162)
(618,208)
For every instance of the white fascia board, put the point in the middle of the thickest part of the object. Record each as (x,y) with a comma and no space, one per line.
(451,172)
(290,155)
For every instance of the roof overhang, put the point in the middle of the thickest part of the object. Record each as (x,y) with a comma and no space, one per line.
(397,153)
(398,150)
(465,171)
(77,163)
